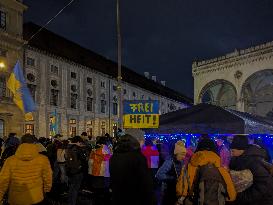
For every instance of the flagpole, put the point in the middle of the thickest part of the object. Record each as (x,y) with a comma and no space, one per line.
(119,87)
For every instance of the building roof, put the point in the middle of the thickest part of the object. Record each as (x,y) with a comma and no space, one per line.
(59,46)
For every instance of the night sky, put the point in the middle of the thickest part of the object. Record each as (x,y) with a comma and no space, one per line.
(162,37)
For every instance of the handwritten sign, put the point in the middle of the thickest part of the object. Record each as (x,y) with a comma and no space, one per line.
(141,114)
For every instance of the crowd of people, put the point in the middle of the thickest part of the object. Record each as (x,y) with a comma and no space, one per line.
(129,169)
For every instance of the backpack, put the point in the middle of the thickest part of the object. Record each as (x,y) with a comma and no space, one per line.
(8,152)
(209,187)
(73,163)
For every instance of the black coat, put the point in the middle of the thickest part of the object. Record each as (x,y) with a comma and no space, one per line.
(261,191)
(131,182)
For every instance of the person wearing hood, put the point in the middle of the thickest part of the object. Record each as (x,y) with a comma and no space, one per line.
(169,172)
(11,146)
(130,180)
(27,176)
(215,180)
(251,157)
(98,170)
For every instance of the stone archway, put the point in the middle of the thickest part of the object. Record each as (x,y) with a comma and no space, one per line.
(219,92)
(257,93)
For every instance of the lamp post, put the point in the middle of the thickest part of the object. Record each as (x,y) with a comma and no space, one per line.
(119,87)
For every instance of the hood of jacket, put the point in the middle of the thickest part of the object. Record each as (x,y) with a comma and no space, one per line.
(255,151)
(128,144)
(27,152)
(205,157)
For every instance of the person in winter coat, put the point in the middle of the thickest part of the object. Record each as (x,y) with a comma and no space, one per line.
(99,171)
(131,182)
(205,154)
(11,146)
(169,172)
(251,157)
(149,150)
(27,176)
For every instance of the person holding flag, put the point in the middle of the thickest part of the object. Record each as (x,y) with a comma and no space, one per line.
(21,94)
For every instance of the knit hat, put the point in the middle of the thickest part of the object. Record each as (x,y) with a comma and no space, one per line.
(136,133)
(239,142)
(179,148)
(206,144)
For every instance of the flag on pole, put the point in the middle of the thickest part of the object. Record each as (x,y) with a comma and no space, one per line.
(21,94)
(54,123)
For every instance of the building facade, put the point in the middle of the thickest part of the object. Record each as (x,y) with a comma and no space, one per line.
(241,80)
(71,86)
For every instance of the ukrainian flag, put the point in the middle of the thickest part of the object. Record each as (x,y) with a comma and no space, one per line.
(21,94)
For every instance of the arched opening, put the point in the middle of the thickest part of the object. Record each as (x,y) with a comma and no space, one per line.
(257,93)
(219,92)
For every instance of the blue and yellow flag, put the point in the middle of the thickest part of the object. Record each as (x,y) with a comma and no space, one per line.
(21,94)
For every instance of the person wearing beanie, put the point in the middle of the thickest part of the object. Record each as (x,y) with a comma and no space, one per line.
(169,172)
(207,164)
(251,157)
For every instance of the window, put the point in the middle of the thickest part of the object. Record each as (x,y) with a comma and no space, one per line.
(54,97)
(89,80)
(29,129)
(115,108)
(115,88)
(73,103)
(102,84)
(2,86)
(89,128)
(54,83)
(2,128)
(103,106)
(124,91)
(72,127)
(30,77)
(30,61)
(32,90)
(54,69)
(103,128)
(3,20)
(73,75)
(89,104)
(134,94)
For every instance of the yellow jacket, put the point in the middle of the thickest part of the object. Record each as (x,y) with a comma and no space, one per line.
(199,159)
(27,175)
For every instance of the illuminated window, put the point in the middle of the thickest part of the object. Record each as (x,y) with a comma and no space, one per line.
(103,128)
(89,128)
(3,20)
(29,129)
(2,128)
(72,127)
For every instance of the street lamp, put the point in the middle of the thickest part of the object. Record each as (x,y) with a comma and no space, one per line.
(119,87)
(2,66)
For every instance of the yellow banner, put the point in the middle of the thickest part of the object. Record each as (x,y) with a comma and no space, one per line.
(141,121)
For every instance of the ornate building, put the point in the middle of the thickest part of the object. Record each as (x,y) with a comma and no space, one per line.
(241,80)
(69,82)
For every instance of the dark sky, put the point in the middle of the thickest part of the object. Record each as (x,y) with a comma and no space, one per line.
(160,36)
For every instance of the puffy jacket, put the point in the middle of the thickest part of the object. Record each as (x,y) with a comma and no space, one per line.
(27,175)
(261,191)
(202,158)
